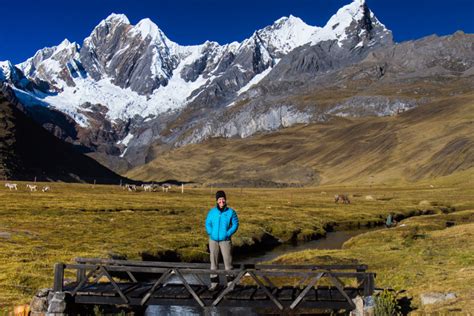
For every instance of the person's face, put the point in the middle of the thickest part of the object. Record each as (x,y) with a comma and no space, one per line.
(221,202)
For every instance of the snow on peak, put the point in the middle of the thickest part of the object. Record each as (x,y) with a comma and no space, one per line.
(336,27)
(66,45)
(5,69)
(286,33)
(117,18)
(146,27)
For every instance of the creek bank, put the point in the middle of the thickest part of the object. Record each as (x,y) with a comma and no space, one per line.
(267,242)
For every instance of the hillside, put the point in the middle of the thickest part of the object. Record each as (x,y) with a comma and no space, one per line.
(433,140)
(28,151)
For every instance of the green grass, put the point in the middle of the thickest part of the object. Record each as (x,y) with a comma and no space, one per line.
(76,220)
(422,256)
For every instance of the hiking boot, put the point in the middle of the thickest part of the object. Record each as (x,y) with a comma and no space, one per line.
(212,287)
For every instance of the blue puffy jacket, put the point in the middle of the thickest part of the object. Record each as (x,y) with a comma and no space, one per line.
(221,225)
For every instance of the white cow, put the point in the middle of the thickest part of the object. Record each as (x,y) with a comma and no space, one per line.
(32,187)
(166,187)
(46,188)
(131,187)
(11,186)
(147,187)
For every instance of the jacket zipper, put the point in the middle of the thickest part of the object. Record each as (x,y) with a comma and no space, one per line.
(219,226)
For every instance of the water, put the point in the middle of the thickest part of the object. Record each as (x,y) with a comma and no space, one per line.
(333,240)
(154,310)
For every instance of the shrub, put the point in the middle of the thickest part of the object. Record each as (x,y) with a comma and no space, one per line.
(386,304)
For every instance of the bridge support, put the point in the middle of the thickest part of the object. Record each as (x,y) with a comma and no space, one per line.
(57,305)
(364,306)
(49,303)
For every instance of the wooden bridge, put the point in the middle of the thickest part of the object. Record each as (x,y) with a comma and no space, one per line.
(142,283)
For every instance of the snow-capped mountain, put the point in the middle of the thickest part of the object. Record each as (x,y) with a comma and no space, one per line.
(353,24)
(149,88)
(138,70)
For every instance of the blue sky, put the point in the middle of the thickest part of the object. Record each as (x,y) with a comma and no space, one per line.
(31,25)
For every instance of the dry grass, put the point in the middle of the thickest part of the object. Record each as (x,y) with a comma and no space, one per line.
(38,229)
(433,140)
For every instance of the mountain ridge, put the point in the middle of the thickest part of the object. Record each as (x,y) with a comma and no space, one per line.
(153,95)
(27,152)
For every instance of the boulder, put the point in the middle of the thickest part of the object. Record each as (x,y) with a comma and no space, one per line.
(39,303)
(435,298)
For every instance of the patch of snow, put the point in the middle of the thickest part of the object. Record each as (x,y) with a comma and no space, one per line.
(256,79)
(287,33)
(5,70)
(126,140)
(147,28)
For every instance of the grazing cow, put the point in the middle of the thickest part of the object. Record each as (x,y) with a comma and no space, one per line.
(147,187)
(32,187)
(166,187)
(343,198)
(46,188)
(11,186)
(131,187)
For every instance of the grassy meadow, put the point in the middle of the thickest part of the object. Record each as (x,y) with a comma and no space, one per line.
(81,220)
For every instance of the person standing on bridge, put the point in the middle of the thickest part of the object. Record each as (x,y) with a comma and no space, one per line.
(221,223)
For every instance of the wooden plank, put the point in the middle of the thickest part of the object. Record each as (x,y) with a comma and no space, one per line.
(140,290)
(90,289)
(303,293)
(285,293)
(169,291)
(323,293)
(340,288)
(189,288)
(241,292)
(158,283)
(58,277)
(360,267)
(211,295)
(260,294)
(117,288)
(79,286)
(229,288)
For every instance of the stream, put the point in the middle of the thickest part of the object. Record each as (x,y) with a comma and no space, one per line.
(333,240)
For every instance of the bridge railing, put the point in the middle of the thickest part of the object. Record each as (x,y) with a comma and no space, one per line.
(114,272)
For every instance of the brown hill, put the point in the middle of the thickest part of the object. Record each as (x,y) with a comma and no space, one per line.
(433,140)
(28,151)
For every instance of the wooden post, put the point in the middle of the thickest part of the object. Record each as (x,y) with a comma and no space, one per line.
(94,184)
(80,275)
(360,279)
(369,285)
(182,188)
(58,277)
(35,179)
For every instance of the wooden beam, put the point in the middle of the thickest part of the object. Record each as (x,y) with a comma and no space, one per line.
(306,290)
(58,277)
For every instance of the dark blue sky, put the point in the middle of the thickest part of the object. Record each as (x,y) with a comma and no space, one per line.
(30,25)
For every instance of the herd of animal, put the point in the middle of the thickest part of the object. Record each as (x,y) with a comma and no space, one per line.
(31,187)
(343,198)
(130,187)
(148,187)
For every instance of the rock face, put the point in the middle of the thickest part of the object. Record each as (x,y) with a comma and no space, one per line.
(129,89)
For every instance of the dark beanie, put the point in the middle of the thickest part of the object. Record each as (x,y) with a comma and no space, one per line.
(220,194)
